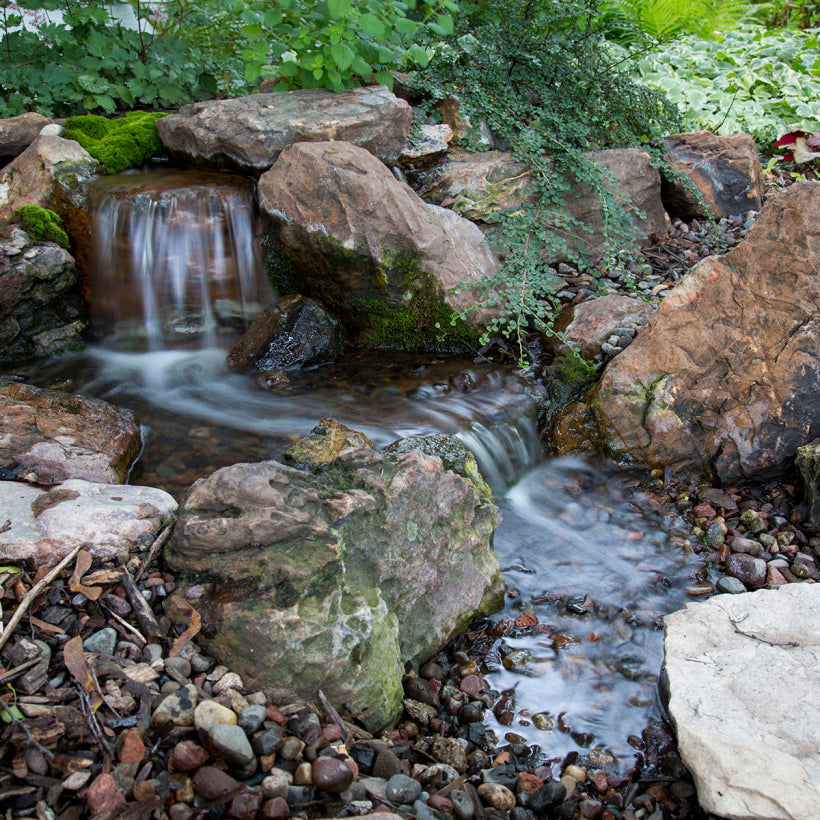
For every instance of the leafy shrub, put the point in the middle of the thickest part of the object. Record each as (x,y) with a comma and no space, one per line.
(334,44)
(118,143)
(542,77)
(41,224)
(90,62)
(766,84)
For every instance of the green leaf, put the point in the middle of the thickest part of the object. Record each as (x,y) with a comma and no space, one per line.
(370,24)
(445,23)
(360,67)
(384,77)
(338,8)
(419,55)
(106,102)
(289,69)
(343,55)
(253,31)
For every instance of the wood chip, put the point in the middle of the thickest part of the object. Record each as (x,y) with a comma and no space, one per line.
(145,617)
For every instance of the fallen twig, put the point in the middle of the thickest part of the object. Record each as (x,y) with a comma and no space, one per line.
(22,725)
(147,621)
(32,594)
(159,543)
(18,670)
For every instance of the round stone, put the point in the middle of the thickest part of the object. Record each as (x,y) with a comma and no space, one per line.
(449,750)
(269,741)
(179,665)
(497,796)
(189,756)
(731,585)
(213,784)
(331,775)
(230,741)
(276,784)
(252,718)
(209,713)
(103,642)
(177,709)
(402,789)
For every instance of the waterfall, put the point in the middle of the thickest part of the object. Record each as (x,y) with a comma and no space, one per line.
(176,257)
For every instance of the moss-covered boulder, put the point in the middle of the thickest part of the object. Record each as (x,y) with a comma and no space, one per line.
(333,579)
(42,224)
(120,143)
(345,231)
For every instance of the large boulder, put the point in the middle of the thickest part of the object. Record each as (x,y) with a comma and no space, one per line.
(41,309)
(742,673)
(17,133)
(48,437)
(333,579)
(725,170)
(725,377)
(43,526)
(248,133)
(479,186)
(349,234)
(33,178)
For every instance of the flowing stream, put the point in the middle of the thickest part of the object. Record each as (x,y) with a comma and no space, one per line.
(591,559)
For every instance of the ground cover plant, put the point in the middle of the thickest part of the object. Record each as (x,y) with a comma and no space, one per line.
(750,79)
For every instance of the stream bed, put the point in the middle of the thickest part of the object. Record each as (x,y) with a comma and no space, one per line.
(591,561)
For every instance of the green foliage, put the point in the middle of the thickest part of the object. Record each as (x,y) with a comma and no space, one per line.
(41,224)
(90,62)
(766,84)
(543,79)
(119,143)
(333,44)
(631,21)
(794,14)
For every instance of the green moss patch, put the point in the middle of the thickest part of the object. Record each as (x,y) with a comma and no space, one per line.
(41,224)
(119,143)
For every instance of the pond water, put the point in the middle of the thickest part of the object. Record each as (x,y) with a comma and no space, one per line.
(591,562)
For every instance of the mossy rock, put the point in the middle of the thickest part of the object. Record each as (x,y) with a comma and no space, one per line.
(41,224)
(124,142)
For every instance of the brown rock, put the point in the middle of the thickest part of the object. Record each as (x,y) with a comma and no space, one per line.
(497,796)
(189,756)
(33,178)
(248,133)
(103,795)
(17,133)
(245,806)
(726,375)
(589,324)
(131,749)
(808,462)
(480,186)
(329,440)
(449,750)
(213,784)
(528,782)
(726,171)
(331,775)
(275,808)
(352,234)
(440,803)
(473,684)
(60,436)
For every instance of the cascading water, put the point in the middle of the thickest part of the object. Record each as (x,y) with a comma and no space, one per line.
(177,259)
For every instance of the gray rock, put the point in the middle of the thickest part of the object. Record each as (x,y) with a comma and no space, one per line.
(269,741)
(232,742)
(314,610)
(252,718)
(725,657)
(17,133)
(181,666)
(402,789)
(248,133)
(727,583)
(104,641)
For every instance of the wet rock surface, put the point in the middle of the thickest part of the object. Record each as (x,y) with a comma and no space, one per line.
(41,309)
(50,436)
(17,133)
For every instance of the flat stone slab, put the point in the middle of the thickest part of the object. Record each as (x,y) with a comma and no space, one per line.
(45,525)
(248,133)
(744,673)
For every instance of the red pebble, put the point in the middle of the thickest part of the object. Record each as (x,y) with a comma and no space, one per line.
(131,748)
(103,795)
(275,808)
(189,756)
